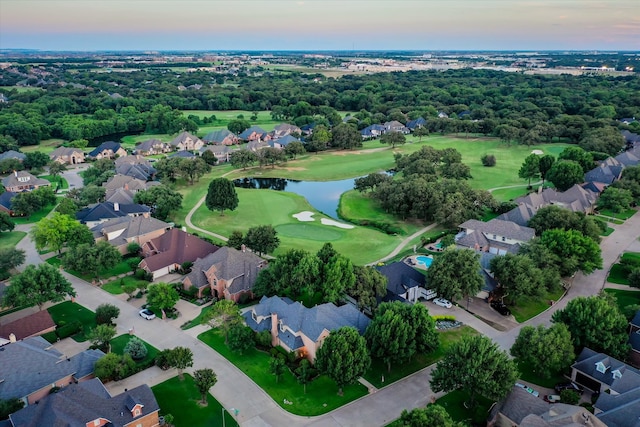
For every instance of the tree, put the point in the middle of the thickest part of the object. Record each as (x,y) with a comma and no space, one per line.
(319,139)
(343,356)
(546,162)
(605,140)
(6,224)
(11,258)
(56,168)
(564,174)
(475,364)
(271,156)
(114,367)
(101,336)
(55,231)
(180,358)
(569,397)
(236,239)
(106,313)
(615,199)
(135,348)
(67,206)
(345,136)
(88,195)
(633,277)
(431,416)
(393,139)
(99,172)
(209,158)
(420,132)
(294,149)
(291,274)
(94,258)
(221,195)
(530,168)
(204,379)
(578,155)
(9,406)
(399,331)
(305,373)
(192,169)
(243,158)
(37,285)
(551,217)
(223,315)
(517,275)
(161,199)
(574,250)
(488,160)
(238,126)
(162,296)
(168,168)
(277,367)
(35,160)
(456,273)
(240,338)
(262,239)
(369,285)
(596,323)
(547,350)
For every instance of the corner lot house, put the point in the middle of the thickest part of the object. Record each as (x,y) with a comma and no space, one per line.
(20,181)
(298,328)
(67,155)
(90,404)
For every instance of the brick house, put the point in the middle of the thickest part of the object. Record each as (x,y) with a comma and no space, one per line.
(152,146)
(186,141)
(107,150)
(221,137)
(32,325)
(67,155)
(120,232)
(20,181)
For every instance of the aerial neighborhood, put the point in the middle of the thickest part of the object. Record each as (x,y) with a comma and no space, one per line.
(289,239)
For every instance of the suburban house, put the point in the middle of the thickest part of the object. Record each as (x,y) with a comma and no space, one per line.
(630,138)
(496,236)
(417,123)
(257,144)
(169,251)
(298,328)
(12,154)
(604,173)
(120,232)
(373,131)
(634,340)
(254,133)
(89,404)
(222,152)
(404,283)
(228,273)
(285,129)
(135,166)
(67,155)
(307,129)
(30,368)
(151,147)
(101,212)
(395,126)
(5,202)
(186,141)
(523,409)
(29,326)
(221,137)
(125,182)
(20,181)
(283,141)
(617,383)
(107,150)
(183,154)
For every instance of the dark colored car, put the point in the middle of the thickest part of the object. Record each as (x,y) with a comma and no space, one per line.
(500,308)
(569,386)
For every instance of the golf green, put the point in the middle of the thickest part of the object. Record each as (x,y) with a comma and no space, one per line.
(323,233)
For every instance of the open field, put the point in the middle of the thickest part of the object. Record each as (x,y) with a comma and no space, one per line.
(46,146)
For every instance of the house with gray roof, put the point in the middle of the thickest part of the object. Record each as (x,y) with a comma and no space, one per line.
(496,236)
(151,147)
(125,182)
(90,404)
(404,283)
(30,368)
(628,158)
(282,142)
(5,202)
(634,340)
(395,126)
(604,173)
(227,273)
(12,154)
(141,171)
(221,137)
(186,141)
(221,152)
(298,328)
(183,154)
(254,133)
(617,383)
(107,150)
(284,129)
(417,123)
(97,213)
(67,155)
(122,231)
(20,181)
(576,199)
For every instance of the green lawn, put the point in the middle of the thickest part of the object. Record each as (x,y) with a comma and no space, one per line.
(608,232)
(454,404)
(527,374)
(624,215)
(46,146)
(528,307)
(624,298)
(56,180)
(115,287)
(36,216)
(180,399)
(9,239)
(118,344)
(321,396)
(507,194)
(198,320)
(619,272)
(120,268)
(68,311)
(378,369)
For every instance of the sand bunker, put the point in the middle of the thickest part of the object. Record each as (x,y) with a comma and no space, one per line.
(326,221)
(538,152)
(305,216)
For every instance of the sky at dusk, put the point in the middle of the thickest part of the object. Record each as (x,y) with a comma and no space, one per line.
(320,25)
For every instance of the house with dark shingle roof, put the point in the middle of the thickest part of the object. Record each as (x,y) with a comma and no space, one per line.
(495,236)
(30,368)
(183,154)
(169,251)
(284,129)
(404,283)
(135,166)
(20,181)
(604,173)
(221,152)
(283,141)
(107,150)
(90,404)
(576,199)
(12,154)
(97,213)
(301,329)
(186,141)
(373,131)
(5,202)
(67,155)
(634,340)
(417,123)
(29,326)
(221,137)
(152,146)
(254,133)
(228,273)
(120,232)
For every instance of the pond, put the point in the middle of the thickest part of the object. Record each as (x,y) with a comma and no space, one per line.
(324,196)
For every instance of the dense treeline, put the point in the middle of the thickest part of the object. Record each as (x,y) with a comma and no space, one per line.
(85,104)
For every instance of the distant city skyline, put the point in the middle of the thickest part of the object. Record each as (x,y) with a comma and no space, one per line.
(320,25)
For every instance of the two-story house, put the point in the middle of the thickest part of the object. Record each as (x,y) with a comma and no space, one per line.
(20,181)
(67,155)
(495,236)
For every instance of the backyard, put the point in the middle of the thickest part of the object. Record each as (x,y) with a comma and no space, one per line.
(68,311)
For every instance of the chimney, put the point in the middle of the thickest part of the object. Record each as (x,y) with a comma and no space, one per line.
(12,337)
(116,206)
(243,248)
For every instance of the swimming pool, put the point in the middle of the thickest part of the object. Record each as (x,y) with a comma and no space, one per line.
(421,259)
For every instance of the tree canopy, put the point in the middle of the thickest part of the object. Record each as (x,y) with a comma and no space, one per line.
(37,285)
(456,274)
(162,296)
(547,350)
(221,195)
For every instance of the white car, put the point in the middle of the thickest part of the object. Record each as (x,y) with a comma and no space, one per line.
(528,389)
(442,302)
(147,314)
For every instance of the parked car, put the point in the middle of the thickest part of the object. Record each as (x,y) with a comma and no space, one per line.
(500,308)
(528,389)
(145,313)
(569,386)
(552,398)
(442,302)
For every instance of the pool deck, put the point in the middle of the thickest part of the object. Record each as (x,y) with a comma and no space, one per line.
(413,262)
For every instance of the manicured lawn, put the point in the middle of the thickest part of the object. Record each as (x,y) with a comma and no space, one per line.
(527,374)
(507,194)
(528,307)
(35,217)
(46,146)
(198,320)
(378,369)
(608,232)
(624,298)
(120,268)
(180,399)
(115,287)
(9,239)
(68,311)
(321,396)
(624,215)
(56,180)
(454,404)
(118,344)
(619,273)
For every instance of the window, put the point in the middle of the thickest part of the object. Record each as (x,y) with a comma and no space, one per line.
(494,237)
(616,374)
(600,367)
(281,325)
(504,238)
(254,316)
